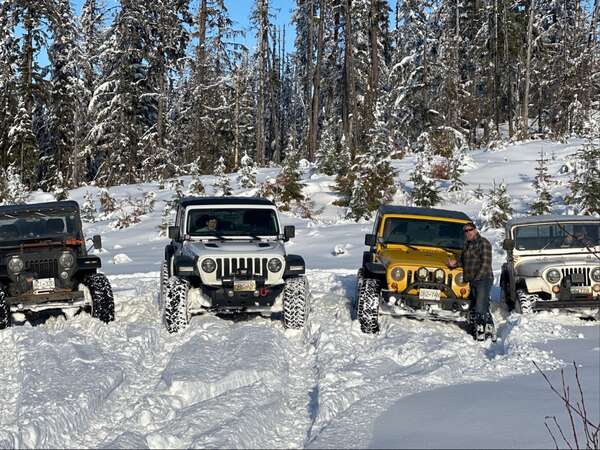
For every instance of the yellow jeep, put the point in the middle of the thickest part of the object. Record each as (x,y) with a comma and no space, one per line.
(405,271)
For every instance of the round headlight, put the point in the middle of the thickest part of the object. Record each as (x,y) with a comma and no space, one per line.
(459,278)
(422,273)
(66,259)
(397,274)
(553,276)
(274,265)
(208,265)
(596,274)
(440,275)
(16,264)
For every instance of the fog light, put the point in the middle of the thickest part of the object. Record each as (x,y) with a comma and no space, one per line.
(64,275)
(392,299)
(256,294)
(230,293)
(556,289)
(596,288)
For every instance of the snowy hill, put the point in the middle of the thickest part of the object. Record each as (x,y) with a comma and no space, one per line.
(250,383)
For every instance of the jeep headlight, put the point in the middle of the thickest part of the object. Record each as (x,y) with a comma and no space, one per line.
(596,274)
(274,265)
(16,264)
(553,276)
(440,275)
(397,274)
(459,278)
(422,273)
(66,260)
(208,265)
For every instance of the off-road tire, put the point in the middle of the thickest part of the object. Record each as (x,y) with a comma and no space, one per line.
(525,302)
(4,311)
(164,276)
(295,303)
(175,313)
(360,279)
(367,305)
(103,303)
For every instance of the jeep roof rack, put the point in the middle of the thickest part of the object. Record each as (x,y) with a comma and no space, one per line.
(67,204)
(413,210)
(195,201)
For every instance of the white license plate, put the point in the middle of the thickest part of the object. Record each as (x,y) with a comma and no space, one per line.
(429,294)
(246,285)
(44,284)
(581,290)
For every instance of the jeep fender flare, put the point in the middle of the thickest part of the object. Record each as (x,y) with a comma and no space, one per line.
(184,266)
(294,266)
(374,270)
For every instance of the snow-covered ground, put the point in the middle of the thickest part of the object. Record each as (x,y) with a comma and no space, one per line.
(249,383)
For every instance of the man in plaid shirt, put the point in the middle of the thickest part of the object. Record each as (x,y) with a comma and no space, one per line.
(476,261)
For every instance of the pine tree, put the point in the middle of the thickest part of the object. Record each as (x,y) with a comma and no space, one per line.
(88,209)
(456,170)
(196,187)
(425,191)
(222,185)
(289,179)
(541,184)
(107,203)
(496,209)
(585,181)
(329,149)
(247,172)
(59,189)
(12,189)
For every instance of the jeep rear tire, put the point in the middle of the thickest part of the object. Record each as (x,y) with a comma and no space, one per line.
(175,313)
(525,302)
(164,276)
(367,305)
(103,303)
(295,303)
(4,312)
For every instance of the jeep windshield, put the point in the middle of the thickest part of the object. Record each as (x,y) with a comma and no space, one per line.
(38,225)
(430,233)
(557,236)
(225,222)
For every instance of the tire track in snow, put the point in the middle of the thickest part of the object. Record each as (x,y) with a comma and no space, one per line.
(10,390)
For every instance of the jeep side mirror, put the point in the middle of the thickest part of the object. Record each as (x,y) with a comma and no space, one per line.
(97,240)
(508,244)
(174,233)
(370,240)
(289,232)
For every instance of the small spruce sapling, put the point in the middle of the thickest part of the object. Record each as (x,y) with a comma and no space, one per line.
(496,209)
(247,172)
(222,185)
(88,209)
(541,184)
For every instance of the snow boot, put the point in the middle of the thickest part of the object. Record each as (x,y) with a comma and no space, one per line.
(490,328)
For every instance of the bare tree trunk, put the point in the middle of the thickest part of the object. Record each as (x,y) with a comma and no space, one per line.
(236,132)
(508,72)
(350,88)
(496,71)
(313,125)
(373,85)
(525,104)
(262,83)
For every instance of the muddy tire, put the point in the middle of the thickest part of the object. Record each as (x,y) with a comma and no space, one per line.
(525,302)
(4,312)
(367,305)
(103,303)
(175,313)
(295,303)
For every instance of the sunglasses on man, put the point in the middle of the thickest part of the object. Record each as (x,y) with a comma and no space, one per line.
(466,230)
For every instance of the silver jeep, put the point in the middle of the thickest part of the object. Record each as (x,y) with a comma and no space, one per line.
(552,262)
(227,256)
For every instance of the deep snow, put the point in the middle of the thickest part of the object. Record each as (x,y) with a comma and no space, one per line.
(250,383)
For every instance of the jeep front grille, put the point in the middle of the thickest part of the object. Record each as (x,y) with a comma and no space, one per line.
(584,272)
(43,268)
(227,267)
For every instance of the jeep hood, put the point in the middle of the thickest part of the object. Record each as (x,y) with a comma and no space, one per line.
(423,256)
(534,266)
(215,247)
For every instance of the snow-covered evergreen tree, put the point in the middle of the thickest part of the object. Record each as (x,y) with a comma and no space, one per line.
(222,185)
(329,148)
(541,184)
(456,170)
(88,208)
(12,189)
(247,172)
(496,209)
(289,179)
(425,191)
(584,185)
(107,203)
(59,189)
(196,187)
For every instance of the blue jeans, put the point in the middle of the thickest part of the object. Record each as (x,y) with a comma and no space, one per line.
(480,293)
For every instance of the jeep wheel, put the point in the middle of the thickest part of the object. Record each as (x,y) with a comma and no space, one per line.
(4,312)
(103,303)
(367,305)
(295,303)
(164,276)
(175,312)
(525,302)
(360,279)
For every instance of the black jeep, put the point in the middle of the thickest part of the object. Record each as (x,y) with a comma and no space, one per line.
(44,263)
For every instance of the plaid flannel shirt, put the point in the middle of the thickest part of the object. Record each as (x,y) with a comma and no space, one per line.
(476,259)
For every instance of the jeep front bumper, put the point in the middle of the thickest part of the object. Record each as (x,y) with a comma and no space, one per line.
(227,300)
(46,301)
(392,300)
